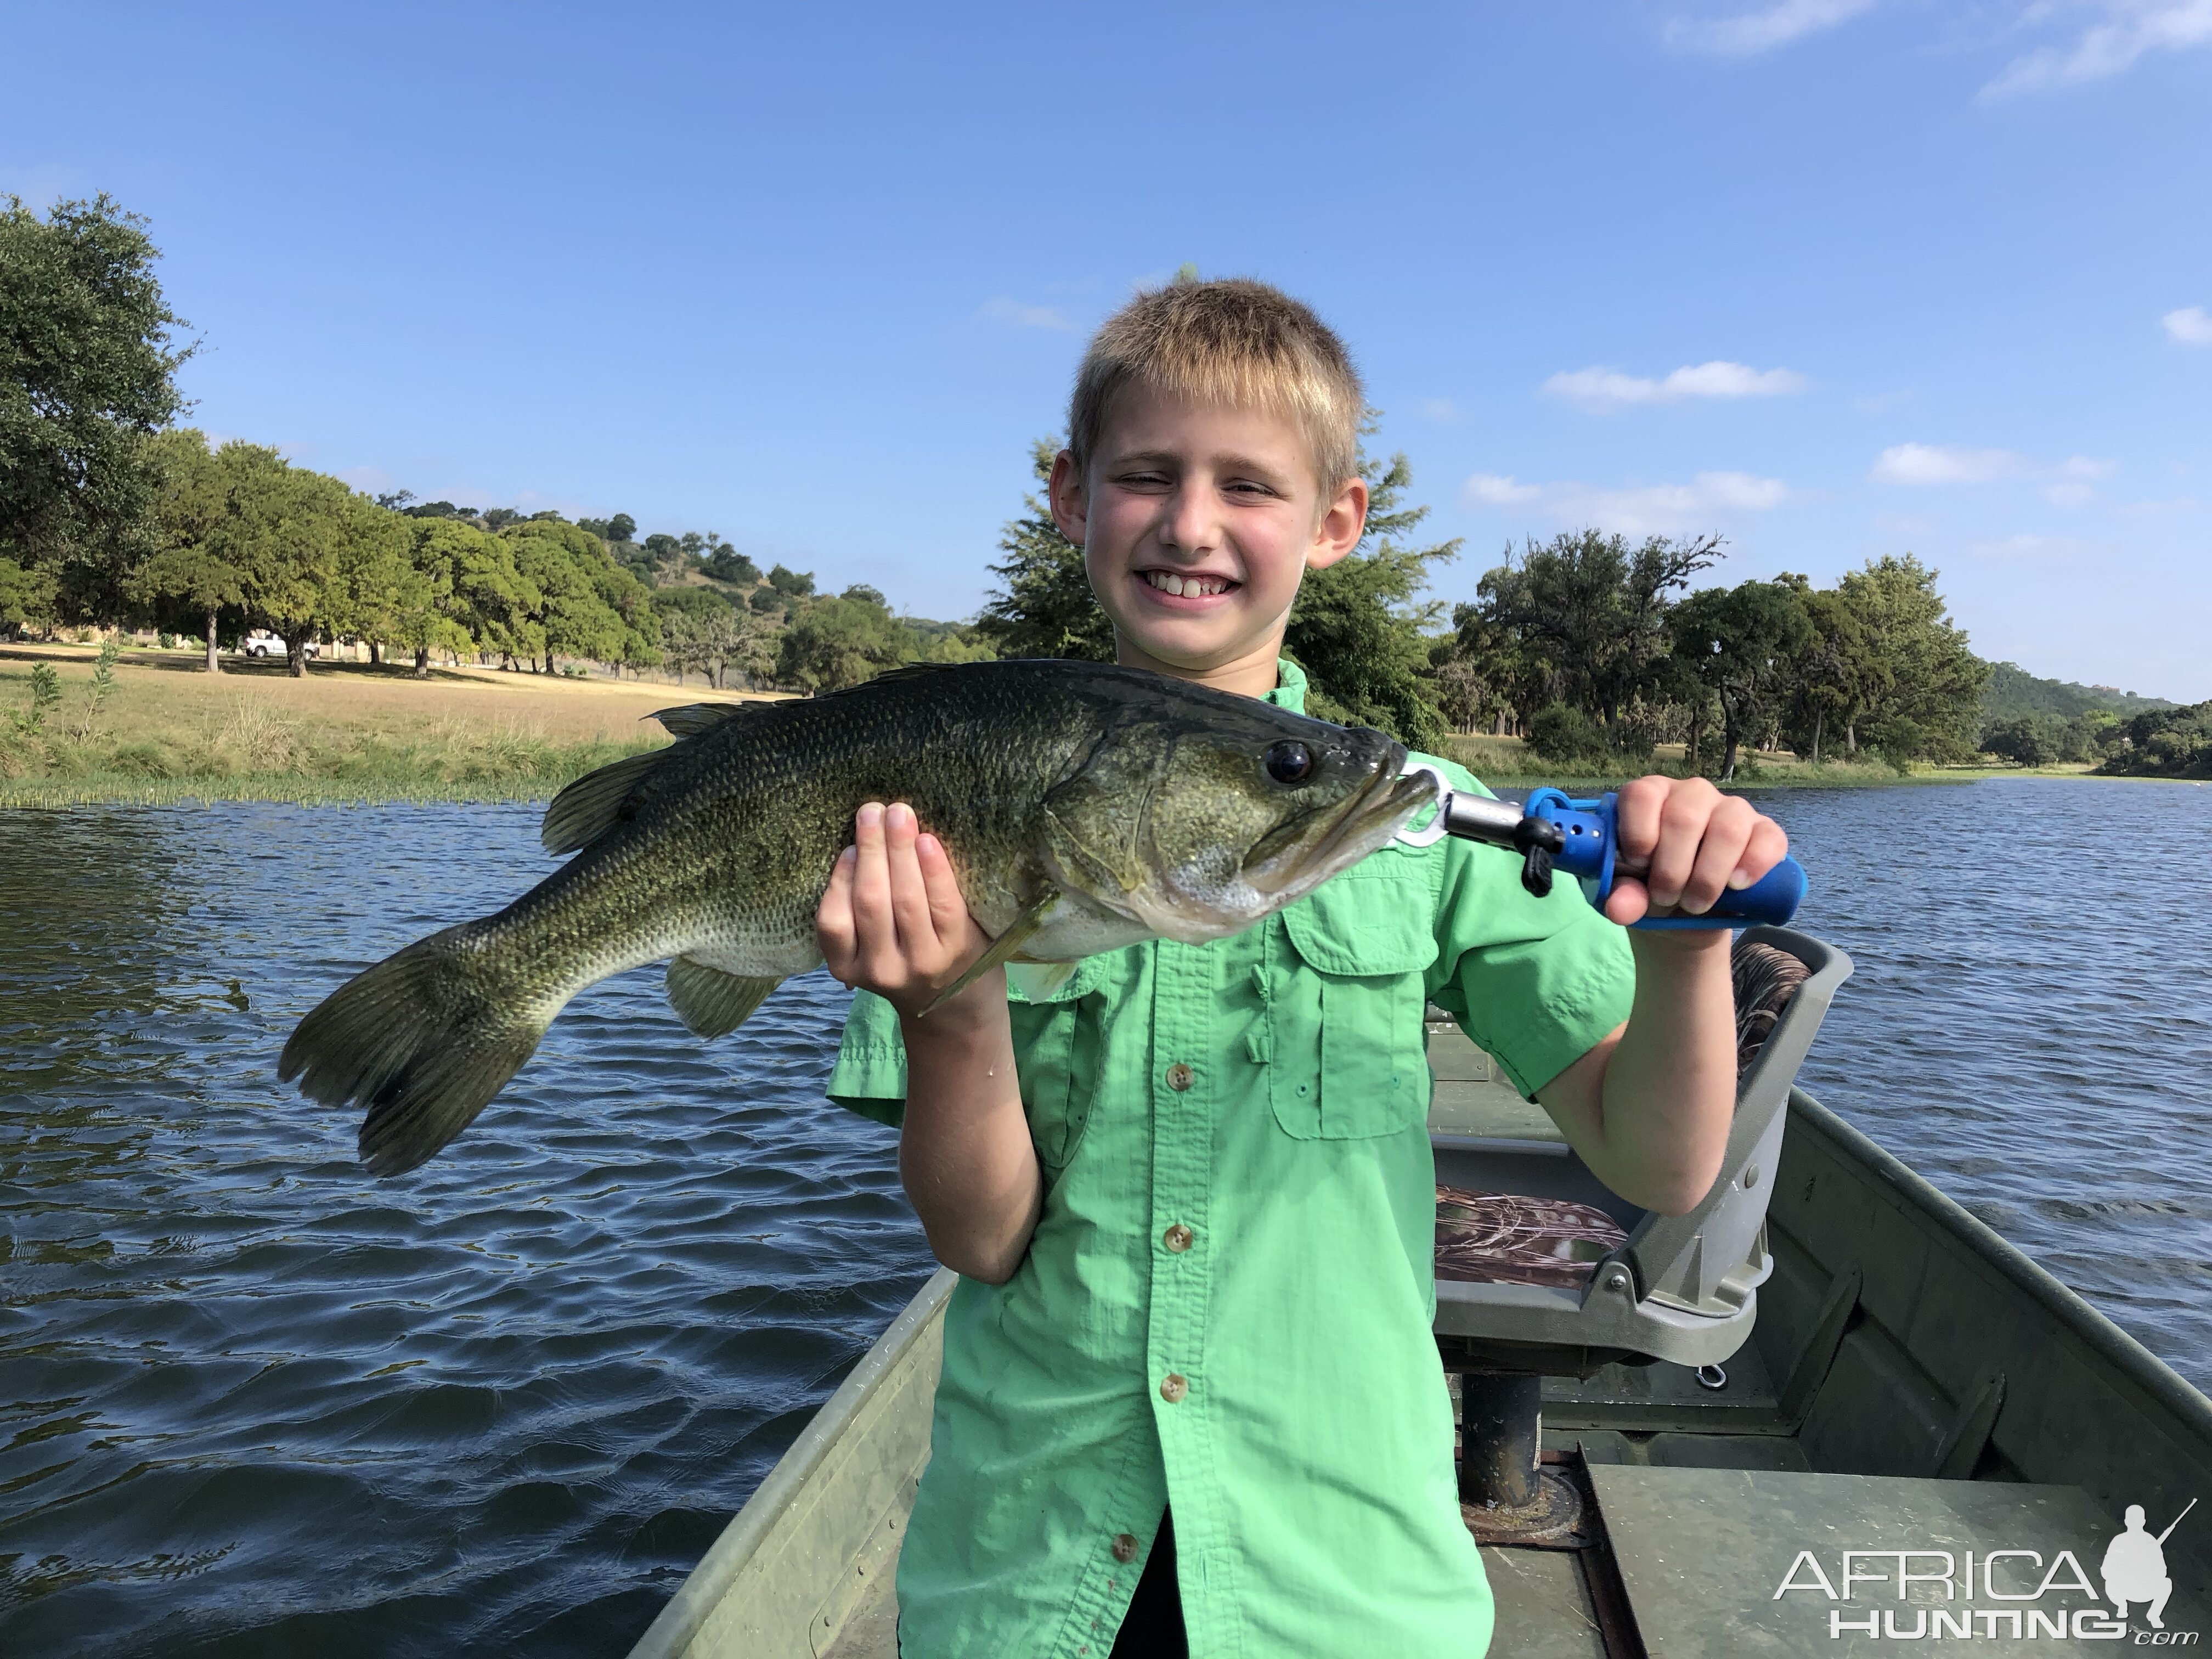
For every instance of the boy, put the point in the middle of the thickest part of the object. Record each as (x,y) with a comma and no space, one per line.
(1189,1391)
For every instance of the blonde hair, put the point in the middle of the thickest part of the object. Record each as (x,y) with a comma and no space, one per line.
(1234,341)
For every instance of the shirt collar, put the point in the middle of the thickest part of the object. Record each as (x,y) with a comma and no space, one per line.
(1290,690)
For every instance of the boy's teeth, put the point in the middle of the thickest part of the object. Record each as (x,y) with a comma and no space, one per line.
(1168,582)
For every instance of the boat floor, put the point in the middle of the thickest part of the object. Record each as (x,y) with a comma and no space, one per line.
(1710,1588)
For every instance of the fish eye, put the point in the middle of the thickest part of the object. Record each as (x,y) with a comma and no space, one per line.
(1288,762)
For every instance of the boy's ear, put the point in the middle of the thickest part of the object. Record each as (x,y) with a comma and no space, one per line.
(1071,511)
(1342,523)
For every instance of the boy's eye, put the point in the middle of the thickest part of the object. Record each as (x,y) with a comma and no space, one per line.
(1288,762)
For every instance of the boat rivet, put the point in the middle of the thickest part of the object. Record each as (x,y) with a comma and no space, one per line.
(1617,1280)
(1750,1176)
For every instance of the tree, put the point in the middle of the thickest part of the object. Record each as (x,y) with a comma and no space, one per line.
(701,630)
(837,643)
(1837,675)
(1926,689)
(377,588)
(283,529)
(1589,616)
(791,584)
(186,576)
(1045,607)
(567,565)
(1740,643)
(476,598)
(727,564)
(1357,628)
(88,357)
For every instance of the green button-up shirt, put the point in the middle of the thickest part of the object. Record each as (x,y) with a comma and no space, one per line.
(1226,1305)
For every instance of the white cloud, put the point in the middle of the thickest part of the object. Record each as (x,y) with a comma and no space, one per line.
(1933,463)
(2190,326)
(1603,389)
(2129,29)
(1748,33)
(1645,510)
(1490,489)
(2063,549)
(1014,314)
(2069,482)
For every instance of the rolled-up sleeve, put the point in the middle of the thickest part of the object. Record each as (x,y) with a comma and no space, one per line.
(870,1075)
(1537,983)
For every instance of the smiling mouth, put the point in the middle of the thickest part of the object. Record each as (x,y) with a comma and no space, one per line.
(1192,586)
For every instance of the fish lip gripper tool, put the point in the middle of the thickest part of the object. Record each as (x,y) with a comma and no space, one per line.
(1553,831)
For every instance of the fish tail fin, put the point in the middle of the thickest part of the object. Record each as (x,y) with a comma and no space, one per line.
(421,1041)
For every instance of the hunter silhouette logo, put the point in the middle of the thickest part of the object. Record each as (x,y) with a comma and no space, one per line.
(2134,1566)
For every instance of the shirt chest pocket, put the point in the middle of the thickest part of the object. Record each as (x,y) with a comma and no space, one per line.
(1056,1057)
(1344,1009)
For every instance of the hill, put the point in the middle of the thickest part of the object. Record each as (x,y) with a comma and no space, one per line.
(2015,694)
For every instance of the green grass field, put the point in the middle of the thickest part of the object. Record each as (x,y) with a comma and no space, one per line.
(167,731)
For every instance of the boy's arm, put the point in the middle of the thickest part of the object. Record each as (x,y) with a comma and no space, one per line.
(893,921)
(1649,1108)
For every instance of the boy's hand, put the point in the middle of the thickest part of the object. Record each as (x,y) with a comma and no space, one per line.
(1695,841)
(893,921)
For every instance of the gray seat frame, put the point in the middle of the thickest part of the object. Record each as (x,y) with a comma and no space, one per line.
(1683,1288)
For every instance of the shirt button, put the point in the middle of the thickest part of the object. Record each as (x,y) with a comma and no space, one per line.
(1125,1547)
(1179,1077)
(1173,1387)
(1176,1237)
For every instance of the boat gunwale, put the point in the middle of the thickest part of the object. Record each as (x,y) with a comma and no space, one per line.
(701,1591)
(2132,1362)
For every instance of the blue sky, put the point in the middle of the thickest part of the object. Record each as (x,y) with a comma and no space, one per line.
(1835,277)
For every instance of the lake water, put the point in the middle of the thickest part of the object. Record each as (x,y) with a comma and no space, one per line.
(253,1402)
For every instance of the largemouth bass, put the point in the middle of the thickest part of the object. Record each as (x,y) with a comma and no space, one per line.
(1084,808)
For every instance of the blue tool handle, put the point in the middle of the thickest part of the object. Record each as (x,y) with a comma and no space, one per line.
(1589,849)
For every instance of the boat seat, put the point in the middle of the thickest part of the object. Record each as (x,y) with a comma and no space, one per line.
(1543,1271)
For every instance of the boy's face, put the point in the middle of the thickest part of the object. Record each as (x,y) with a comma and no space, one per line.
(1197,523)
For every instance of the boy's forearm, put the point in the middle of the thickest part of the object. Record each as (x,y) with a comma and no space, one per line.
(1650,1109)
(966,1155)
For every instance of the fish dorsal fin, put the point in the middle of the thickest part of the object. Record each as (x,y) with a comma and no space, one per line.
(594,805)
(711,1002)
(694,719)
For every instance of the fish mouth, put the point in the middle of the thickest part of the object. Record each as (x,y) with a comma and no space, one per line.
(1297,857)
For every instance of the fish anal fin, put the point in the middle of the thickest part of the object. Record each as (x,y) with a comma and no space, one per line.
(1002,948)
(593,804)
(711,1002)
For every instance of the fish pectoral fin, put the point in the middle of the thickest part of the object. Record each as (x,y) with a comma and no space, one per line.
(594,805)
(1036,982)
(1002,948)
(711,1002)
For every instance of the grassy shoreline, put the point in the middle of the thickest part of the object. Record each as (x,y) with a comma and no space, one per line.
(169,733)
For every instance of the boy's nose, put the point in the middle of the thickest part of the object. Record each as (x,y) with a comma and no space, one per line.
(1191,525)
